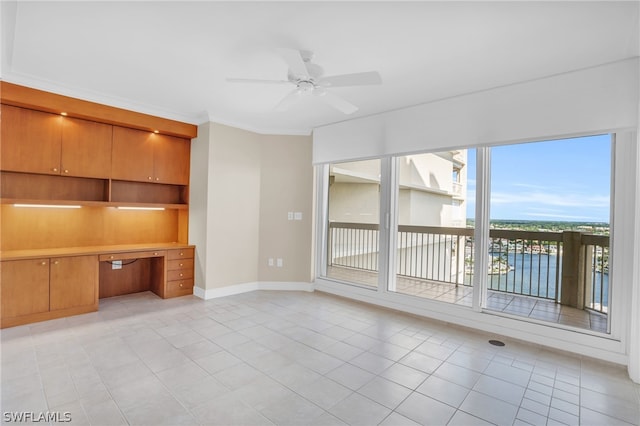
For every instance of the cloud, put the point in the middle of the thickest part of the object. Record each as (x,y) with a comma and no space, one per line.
(548,199)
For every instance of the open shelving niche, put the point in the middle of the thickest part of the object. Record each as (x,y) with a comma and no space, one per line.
(31,188)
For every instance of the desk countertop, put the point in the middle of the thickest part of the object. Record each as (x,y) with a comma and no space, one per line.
(88,250)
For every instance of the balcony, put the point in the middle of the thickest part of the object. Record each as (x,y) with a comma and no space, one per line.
(560,277)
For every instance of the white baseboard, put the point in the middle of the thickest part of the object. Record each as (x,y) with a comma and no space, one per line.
(230,290)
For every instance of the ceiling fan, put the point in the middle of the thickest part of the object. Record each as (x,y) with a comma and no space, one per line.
(309,80)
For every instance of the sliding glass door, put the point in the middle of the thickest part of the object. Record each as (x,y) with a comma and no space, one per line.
(433,241)
(518,230)
(353,235)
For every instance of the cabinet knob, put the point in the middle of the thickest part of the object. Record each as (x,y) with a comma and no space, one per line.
(110,257)
(150,178)
(181,275)
(43,263)
(66,171)
(157,179)
(55,169)
(180,284)
(181,264)
(56,262)
(155,253)
(181,254)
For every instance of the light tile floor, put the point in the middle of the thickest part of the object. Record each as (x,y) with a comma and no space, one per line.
(295,358)
(525,306)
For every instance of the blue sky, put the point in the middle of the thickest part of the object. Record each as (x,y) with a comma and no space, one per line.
(561,180)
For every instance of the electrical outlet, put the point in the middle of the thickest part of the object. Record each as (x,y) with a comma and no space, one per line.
(297,215)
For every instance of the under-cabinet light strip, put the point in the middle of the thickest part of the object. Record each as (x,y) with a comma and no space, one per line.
(51,206)
(139,208)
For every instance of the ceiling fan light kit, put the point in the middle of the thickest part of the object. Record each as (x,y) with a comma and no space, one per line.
(308,79)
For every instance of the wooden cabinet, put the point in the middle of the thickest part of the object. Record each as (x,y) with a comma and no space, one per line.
(24,287)
(73,282)
(86,148)
(148,157)
(44,143)
(171,159)
(31,141)
(39,289)
(91,158)
(179,272)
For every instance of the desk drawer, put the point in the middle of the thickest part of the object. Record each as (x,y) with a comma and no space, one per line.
(180,274)
(186,253)
(174,265)
(132,255)
(179,288)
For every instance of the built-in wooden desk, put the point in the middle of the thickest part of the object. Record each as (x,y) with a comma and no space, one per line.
(42,284)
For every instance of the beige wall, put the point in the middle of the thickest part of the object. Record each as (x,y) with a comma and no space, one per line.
(286,186)
(354,202)
(242,186)
(234,207)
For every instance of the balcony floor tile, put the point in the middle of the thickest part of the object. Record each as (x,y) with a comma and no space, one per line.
(512,304)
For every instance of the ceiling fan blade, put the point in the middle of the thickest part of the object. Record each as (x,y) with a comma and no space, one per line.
(296,65)
(286,102)
(357,79)
(337,102)
(255,80)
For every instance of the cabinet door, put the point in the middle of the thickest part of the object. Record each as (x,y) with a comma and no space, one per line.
(73,282)
(171,160)
(86,148)
(24,287)
(31,141)
(132,155)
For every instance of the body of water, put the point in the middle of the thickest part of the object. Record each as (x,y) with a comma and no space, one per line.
(536,275)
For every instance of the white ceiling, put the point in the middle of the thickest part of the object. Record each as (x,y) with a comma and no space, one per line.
(171,58)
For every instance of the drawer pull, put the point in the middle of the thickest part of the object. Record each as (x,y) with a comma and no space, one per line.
(110,257)
(182,275)
(180,284)
(66,171)
(182,264)
(56,262)
(43,263)
(150,178)
(55,169)
(155,253)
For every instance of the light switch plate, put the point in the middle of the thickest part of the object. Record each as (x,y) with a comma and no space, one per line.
(297,216)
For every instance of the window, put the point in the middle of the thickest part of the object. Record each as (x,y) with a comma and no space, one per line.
(529,239)
(433,243)
(354,212)
(549,237)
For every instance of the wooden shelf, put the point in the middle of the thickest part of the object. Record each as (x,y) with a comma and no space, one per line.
(143,193)
(31,186)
